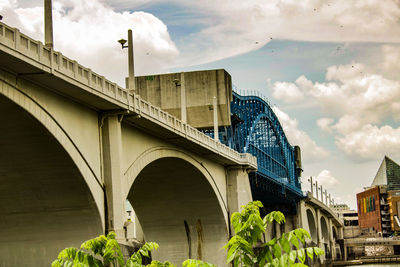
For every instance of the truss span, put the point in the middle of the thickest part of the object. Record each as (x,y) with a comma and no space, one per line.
(255,129)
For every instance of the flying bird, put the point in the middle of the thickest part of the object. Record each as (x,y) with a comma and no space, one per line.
(1,17)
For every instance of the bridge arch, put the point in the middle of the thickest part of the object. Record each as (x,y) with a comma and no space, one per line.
(178,205)
(312,225)
(50,199)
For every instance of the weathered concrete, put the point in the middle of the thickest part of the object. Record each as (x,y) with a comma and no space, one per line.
(187,95)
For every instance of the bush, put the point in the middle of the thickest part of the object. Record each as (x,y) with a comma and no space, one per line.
(244,248)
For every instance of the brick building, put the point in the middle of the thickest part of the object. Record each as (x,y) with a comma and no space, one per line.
(369,209)
(375,210)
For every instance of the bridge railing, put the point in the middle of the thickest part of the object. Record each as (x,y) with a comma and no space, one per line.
(55,62)
(142,106)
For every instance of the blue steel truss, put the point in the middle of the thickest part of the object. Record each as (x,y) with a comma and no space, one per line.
(255,129)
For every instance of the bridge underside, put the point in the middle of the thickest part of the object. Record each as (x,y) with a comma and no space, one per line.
(273,195)
(178,209)
(44,202)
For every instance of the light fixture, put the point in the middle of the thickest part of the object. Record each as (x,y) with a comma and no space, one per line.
(123,42)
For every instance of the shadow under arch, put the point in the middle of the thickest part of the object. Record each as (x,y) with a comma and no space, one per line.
(324,230)
(178,208)
(312,226)
(46,202)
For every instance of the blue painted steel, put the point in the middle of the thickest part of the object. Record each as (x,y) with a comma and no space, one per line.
(256,130)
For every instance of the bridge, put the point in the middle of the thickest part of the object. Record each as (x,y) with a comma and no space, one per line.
(75,147)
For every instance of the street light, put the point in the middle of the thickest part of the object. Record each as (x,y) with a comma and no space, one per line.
(131,67)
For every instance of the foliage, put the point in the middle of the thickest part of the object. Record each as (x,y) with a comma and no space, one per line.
(245,248)
(105,251)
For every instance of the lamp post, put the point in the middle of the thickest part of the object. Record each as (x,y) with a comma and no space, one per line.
(131,65)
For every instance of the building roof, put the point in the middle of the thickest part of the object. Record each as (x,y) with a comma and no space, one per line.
(388,174)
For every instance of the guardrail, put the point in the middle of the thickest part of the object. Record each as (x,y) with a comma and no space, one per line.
(56,62)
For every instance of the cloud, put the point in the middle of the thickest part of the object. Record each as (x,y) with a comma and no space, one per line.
(288,92)
(247,24)
(357,100)
(311,152)
(326,179)
(325,124)
(250,24)
(391,59)
(87,31)
(371,142)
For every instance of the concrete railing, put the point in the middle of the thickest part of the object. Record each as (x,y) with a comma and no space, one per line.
(56,62)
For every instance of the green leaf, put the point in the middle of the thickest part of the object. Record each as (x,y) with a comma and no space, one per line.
(318,251)
(277,251)
(301,255)
(310,252)
(285,244)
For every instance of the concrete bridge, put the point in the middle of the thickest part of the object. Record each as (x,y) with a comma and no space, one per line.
(75,146)
(323,224)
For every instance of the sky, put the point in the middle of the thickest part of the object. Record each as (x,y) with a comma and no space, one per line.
(329,68)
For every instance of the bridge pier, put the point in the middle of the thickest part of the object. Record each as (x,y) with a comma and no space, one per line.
(112,173)
(238,185)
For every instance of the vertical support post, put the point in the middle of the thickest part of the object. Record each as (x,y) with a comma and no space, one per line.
(112,158)
(322,194)
(311,183)
(238,188)
(326,197)
(183,98)
(215,111)
(48,24)
(131,64)
(316,189)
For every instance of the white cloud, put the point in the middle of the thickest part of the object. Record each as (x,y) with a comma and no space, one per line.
(357,101)
(344,73)
(288,92)
(371,142)
(310,150)
(250,24)
(87,31)
(246,24)
(391,59)
(326,179)
(325,124)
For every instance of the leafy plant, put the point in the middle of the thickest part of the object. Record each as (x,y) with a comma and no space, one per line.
(105,251)
(245,248)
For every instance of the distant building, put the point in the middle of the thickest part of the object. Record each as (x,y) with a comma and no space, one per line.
(377,211)
(350,219)
(394,209)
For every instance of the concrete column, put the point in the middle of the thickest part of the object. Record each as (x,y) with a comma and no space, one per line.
(345,252)
(111,141)
(319,230)
(131,64)
(215,113)
(183,98)
(238,186)
(331,242)
(48,24)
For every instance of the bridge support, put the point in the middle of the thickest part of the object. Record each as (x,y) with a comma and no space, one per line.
(112,173)
(238,188)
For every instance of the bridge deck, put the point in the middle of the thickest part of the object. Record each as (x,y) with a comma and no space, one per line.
(30,60)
